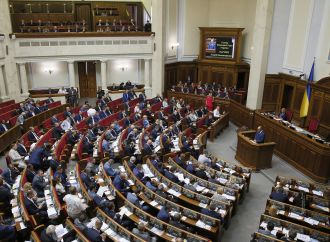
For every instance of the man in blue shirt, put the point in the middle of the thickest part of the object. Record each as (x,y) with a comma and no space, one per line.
(164,214)
(121,184)
(108,167)
(282,114)
(211,212)
(259,136)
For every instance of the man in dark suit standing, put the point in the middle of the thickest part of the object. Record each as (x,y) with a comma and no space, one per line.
(125,96)
(38,155)
(142,96)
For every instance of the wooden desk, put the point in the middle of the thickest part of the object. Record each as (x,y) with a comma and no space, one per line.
(305,154)
(9,137)
(55,96)
(251,154)
(219,125)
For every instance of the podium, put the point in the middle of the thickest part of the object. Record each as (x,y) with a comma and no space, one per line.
(253,155)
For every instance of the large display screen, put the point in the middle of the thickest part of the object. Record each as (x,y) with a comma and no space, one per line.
(222,47)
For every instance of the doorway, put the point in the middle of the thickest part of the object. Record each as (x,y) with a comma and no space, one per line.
(87,78)
(83,12)
(287,96)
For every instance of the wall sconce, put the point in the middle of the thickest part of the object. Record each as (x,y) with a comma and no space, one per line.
(50,71)
(174,45)
(123,68)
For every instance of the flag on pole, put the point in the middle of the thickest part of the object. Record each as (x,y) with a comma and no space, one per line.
(307,94)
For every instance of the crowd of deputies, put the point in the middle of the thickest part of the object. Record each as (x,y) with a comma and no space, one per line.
(39,162)
(295,211)
(214,89)
(27,109)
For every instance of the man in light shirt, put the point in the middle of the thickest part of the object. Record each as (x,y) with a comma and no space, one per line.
(75,206)
(203,158)
(66,124)
(216,112)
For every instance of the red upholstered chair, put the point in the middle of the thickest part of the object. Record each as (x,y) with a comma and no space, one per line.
(313,125)
(289,114)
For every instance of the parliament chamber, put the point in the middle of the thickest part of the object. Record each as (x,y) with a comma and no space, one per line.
(164,120)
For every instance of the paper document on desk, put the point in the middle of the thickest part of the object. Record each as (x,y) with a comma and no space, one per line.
(174,193)
(199,188)
(110,232)
(22,225)
(186,180)
(263,225)
(51,213)
(303,189)
(303,237)
(121,168)
(296,216)
(233,198)
(157,148)
(157,231)
(60,231)
(318,193)
(104,227)
(153,203)
(311,221)
(130,182)
(179,176)
(102,190)
(147,171)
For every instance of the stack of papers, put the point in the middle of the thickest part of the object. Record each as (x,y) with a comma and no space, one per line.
(157,231)
(52,213)
(202,205)
(303,237)
(147,171)
(201,224)
(303,189)
(311,221)
(229,197)
(60,231)
(296,216)
(174,193)
(318,193)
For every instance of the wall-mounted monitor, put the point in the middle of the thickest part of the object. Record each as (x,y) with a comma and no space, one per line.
(220,44)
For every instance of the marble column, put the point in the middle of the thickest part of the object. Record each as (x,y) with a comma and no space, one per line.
(158,26)
(104,75)
(3,92)
(72,80)
(147,86)
(24,81)
(259,55)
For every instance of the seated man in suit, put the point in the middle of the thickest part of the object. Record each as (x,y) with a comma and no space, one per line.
(121,184)
(32,135)
(169,173)
(175,221)
(145,121)
(211,212)
(78,117)
(142,96)
(73,137)
(5,193)
(54,120)
(21,149)
(86,179)
(259,136)
(98,200)
(49,234)
(39,184)
(200,172)
(148,148)
(7,232)
(109,168)
(94,234)
(268,230)
(279,195)
(4,126)
(180,160)
(164,213)
(32,207)
(58,131)
(141,232)
(282,114)
(67,112)
(138,172)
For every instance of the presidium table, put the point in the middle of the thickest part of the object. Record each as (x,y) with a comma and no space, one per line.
(253,155)
(307,152)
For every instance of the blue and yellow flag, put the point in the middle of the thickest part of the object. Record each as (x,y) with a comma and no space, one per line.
(307,94)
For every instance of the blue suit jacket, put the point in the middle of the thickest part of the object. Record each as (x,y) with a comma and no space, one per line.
(171,176)
(2,129)
(260,136)
(163,215)
(109,169)
(7,232)
(30,206)
(37,155)
(278,196)
(211,213)
(78,118)
(31,137)
(125,97)
(93,235)
(120,184)
(21,150)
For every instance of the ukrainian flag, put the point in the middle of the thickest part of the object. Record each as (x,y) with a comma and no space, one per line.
(307,94)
